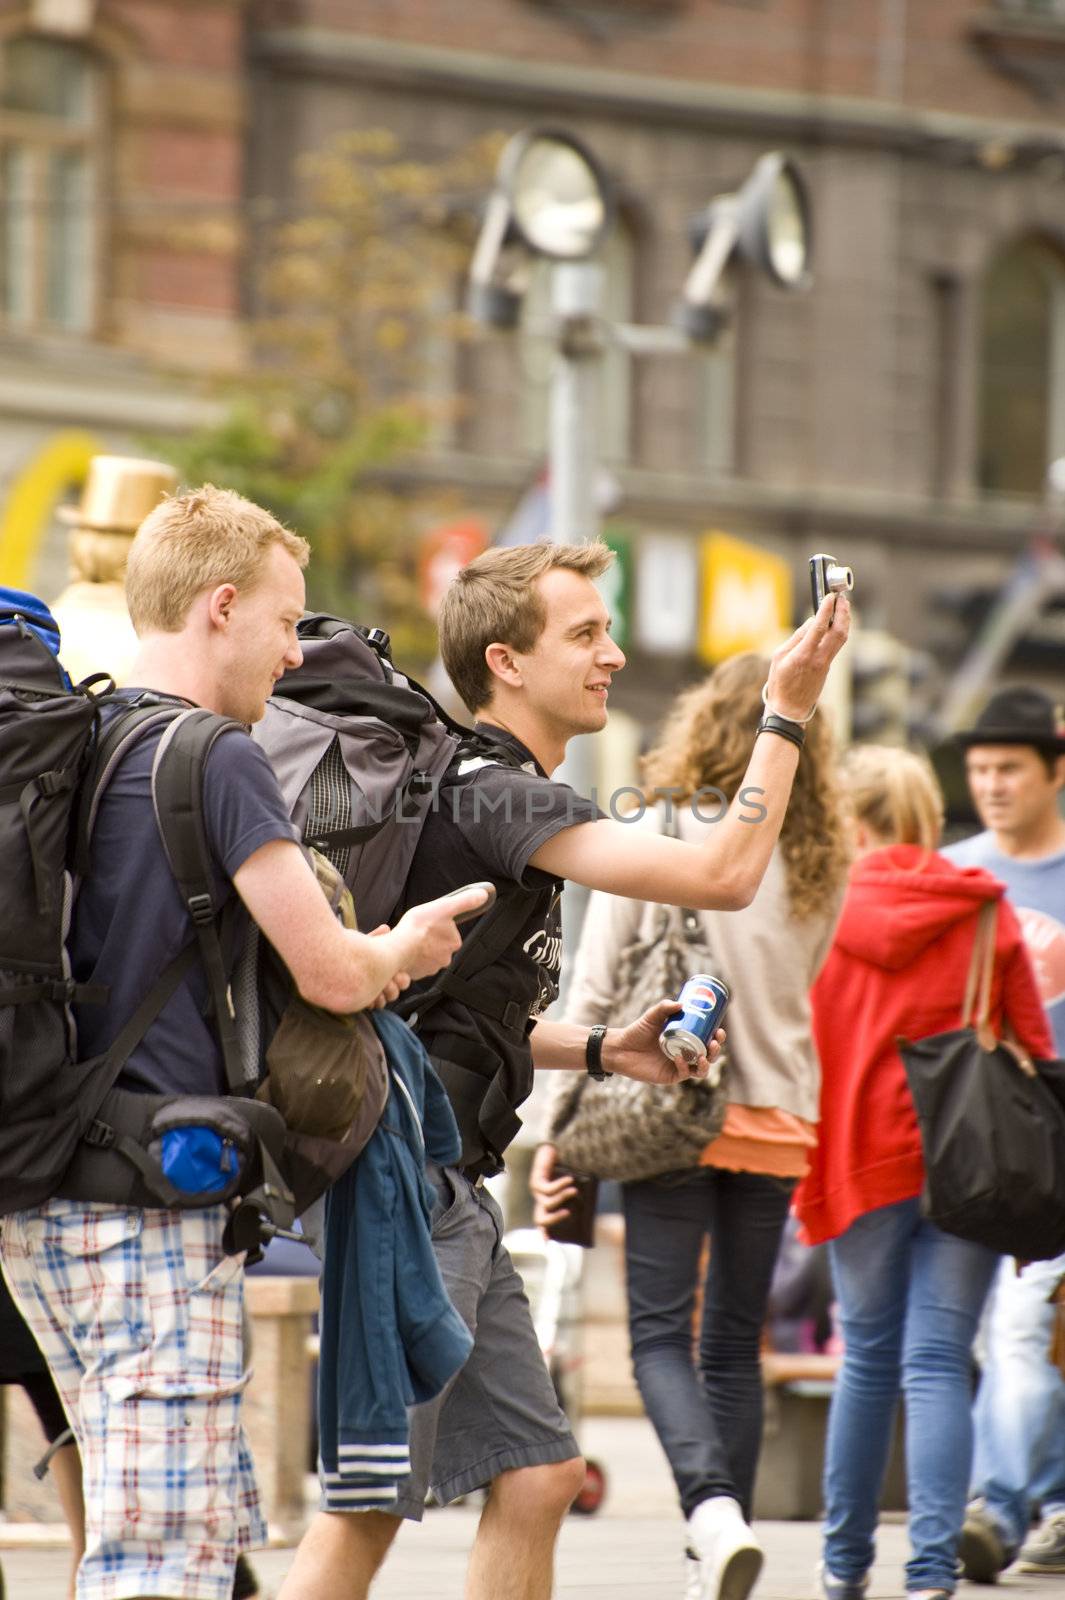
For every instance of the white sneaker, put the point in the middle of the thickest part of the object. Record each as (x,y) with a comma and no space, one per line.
(724,1557)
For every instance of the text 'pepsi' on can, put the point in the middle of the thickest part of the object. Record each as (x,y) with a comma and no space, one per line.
(704,1001)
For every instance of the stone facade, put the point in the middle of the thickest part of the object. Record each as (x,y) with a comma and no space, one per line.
(849,418)
(853,416)
(166,156)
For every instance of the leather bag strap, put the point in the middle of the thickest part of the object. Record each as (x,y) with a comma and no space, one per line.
(976,1008)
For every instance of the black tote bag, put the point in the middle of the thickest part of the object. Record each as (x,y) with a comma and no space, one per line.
(992,1126)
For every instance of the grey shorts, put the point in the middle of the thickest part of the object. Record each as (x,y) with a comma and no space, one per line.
(500,1412)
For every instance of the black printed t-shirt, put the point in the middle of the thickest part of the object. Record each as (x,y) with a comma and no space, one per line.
(130,921)
(486,821)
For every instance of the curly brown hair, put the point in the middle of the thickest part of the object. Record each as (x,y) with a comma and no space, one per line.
(706,742)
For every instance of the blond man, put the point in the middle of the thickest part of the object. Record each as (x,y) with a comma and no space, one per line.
(525,637)
(139,1311)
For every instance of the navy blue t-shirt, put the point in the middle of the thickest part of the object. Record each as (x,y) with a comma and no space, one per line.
(129,920)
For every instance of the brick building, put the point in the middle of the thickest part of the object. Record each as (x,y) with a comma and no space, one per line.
(122,135)
(904,411)
(901,414)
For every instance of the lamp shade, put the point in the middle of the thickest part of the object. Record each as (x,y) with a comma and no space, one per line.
(774,221)
(559,196)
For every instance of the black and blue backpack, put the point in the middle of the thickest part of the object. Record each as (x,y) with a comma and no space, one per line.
(359,750)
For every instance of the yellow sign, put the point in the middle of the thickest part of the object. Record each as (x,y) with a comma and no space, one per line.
(746,598)
(24,520)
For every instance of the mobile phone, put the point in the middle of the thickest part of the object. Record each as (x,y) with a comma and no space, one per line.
(478,911)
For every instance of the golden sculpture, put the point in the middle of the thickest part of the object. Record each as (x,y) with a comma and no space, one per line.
(97,635)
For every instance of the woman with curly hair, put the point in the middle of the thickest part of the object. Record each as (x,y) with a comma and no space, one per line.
(706,1404)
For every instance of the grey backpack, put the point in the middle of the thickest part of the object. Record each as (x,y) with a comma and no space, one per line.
(359,752)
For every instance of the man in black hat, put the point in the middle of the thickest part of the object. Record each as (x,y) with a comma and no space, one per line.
(1015,764)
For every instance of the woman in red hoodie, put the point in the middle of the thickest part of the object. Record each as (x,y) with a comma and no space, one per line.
(910,1296)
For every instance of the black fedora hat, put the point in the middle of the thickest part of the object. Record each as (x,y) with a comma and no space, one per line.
(1018,716)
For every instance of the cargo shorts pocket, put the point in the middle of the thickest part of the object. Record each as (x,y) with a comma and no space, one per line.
(91,1261)
(168,1468)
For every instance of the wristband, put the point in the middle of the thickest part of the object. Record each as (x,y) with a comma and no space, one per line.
(800,722)
(784,727)
(593,1054)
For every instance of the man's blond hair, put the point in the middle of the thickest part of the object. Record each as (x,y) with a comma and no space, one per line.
(494,600)
(196,541)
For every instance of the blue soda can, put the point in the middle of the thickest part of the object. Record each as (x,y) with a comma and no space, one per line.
(705,1000)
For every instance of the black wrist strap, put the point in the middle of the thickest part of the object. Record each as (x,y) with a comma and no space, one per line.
(784,728)
(593,1054)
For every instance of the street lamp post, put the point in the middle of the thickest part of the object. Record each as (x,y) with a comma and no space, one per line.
(553,200)
(573,426)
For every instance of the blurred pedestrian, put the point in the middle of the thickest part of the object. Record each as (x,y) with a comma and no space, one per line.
(909,1295)
(1015,764)
(22,1363)
(706,1405)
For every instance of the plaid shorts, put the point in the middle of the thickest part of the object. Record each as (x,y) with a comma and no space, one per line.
(140,1316)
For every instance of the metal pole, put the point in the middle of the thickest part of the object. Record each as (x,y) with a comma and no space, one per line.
(573,468)
(573,434)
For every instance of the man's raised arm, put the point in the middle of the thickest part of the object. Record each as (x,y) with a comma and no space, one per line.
(724,872)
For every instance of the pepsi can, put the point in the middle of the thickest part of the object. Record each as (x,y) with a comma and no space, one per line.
(704,1001)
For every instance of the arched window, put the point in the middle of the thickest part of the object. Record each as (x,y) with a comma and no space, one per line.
(50,134)
(1022,368)
(616,258)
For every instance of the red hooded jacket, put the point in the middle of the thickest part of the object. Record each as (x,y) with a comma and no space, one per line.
(898,966)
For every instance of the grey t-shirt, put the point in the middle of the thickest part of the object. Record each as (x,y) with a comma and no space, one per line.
(130,922)
(1036,891)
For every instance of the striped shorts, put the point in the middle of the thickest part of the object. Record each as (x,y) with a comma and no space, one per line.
(140,1317)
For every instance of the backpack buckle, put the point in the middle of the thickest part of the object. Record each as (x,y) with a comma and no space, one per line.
(100,1135)
(200,909)
(57,782)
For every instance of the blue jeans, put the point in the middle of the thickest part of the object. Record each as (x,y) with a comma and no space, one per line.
(910,1298)
(707,1418)
(1019,1416)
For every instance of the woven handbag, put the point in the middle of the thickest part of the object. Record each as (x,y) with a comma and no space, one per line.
(625,1129)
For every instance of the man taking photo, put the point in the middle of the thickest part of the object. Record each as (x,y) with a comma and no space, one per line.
(525,638)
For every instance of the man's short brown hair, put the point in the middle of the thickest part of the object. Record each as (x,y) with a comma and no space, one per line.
(196,541)
(494,600)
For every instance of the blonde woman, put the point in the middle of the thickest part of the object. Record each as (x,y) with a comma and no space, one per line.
(910,1296)
(706,1406)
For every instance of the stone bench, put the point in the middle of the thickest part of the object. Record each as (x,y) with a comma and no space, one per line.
(798,1391)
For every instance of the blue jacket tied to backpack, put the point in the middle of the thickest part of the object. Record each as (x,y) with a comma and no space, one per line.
(390,1337)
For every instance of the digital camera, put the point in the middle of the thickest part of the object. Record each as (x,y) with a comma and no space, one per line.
(828,577)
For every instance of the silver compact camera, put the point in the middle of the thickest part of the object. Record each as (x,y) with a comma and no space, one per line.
(828,577)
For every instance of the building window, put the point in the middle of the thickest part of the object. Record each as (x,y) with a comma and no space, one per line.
(1022,368)
(50,136)
(537,357)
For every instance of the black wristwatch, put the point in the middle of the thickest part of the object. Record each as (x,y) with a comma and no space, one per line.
(593,1054)
(783,727)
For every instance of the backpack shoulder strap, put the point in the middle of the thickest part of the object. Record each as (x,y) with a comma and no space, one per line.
(177,796)
(494,932)
(122,732)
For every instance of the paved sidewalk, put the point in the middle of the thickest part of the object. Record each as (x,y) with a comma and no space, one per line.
(630,1551)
